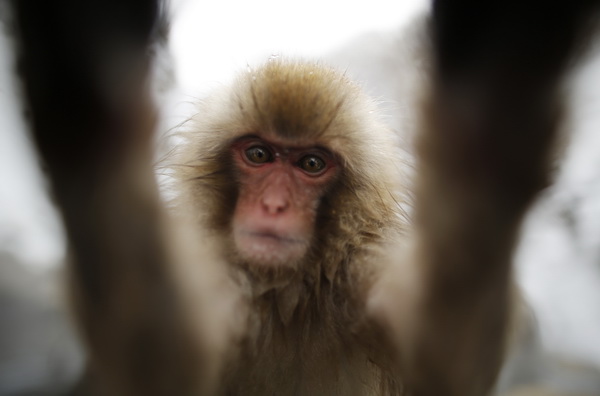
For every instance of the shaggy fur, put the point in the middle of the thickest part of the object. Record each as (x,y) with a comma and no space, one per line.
(307,332)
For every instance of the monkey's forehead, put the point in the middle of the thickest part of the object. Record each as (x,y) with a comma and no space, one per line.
(296,100)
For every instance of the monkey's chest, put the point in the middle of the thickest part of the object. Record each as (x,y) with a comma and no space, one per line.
(300,359)
(318,369)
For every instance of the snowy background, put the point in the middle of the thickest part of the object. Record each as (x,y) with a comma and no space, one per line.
(558,262)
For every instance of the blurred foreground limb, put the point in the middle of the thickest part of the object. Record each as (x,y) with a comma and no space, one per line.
(85,66)
(489,122)
(486,143)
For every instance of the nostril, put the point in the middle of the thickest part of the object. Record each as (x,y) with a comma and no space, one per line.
(275,204)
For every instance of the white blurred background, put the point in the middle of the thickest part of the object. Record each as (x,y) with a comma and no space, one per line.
(558,261)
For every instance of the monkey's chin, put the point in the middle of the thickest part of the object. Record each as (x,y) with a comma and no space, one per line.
(269,249)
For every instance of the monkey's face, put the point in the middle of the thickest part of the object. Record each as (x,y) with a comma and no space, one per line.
(280,188)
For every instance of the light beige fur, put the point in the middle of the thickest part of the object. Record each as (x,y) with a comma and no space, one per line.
(307,332)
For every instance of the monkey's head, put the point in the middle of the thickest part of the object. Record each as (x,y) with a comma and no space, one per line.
(290,165)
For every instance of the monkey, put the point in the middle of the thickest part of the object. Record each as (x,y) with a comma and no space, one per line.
(288,183)
(296,188)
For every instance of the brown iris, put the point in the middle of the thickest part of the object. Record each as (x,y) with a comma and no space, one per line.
(258,154)
(311,164)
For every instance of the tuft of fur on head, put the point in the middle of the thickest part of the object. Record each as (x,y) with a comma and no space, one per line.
(297,103)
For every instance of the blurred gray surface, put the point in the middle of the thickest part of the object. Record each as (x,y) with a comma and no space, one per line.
(39,354)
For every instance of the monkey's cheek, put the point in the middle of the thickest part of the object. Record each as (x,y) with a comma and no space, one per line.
(269,250)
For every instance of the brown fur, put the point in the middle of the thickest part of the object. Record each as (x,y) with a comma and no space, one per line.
(307,320)
(146,301)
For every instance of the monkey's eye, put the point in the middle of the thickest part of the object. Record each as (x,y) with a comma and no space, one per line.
(311,164)
(258,154)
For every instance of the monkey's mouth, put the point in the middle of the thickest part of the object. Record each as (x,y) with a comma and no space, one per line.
(272,237)
(269,248)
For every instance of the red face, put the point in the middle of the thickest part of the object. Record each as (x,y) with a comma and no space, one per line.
(280,191)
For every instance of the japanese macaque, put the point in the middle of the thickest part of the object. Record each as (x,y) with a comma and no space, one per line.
(298,188)
(304,276)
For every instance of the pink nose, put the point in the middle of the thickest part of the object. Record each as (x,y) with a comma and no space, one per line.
(275,202)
